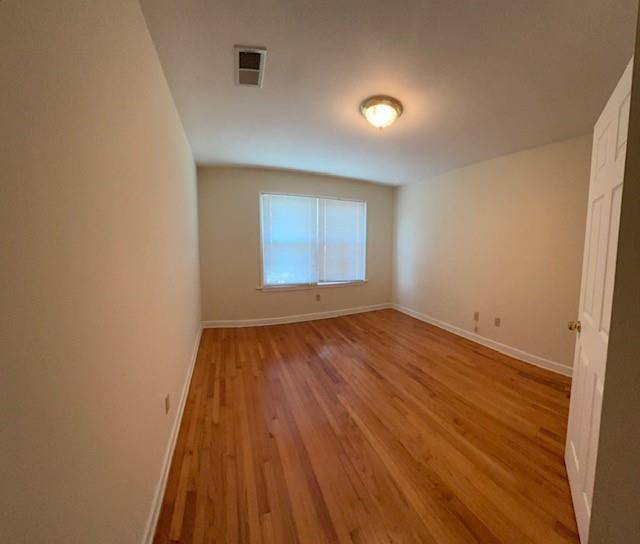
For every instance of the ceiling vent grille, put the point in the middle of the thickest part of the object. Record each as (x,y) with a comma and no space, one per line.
(249,65)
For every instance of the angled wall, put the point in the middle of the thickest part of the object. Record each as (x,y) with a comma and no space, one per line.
(98,270)
(504,238)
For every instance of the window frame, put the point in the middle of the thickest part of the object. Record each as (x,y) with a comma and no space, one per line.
(299,286)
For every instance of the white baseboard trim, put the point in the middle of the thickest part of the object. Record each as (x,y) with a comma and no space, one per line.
(168,456)
(536,360)
(234,323)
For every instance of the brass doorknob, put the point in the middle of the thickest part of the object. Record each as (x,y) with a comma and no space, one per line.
(575,326)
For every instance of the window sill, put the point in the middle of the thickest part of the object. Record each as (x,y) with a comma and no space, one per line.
(273,288)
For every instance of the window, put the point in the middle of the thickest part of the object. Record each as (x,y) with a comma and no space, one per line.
(310,240)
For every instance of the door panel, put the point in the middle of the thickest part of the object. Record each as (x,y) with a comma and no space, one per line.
(598,272)
(614,222)
(592,258)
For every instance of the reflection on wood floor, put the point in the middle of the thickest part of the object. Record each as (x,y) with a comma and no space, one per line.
(368,428)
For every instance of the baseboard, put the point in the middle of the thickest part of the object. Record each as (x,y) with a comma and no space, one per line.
(516,353)
(168,456)
(291,318)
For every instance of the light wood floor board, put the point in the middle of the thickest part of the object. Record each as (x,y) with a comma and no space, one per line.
(370,428)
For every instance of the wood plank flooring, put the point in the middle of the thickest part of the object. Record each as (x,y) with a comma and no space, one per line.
(371,428)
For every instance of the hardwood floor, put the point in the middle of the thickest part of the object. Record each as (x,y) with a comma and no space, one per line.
(369,428)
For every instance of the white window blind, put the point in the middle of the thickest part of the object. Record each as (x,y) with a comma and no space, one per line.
(289,239)
(341,239)
(310,240)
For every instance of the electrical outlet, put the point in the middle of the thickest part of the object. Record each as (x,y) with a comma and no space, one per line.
(167,404)
(476,316)
(317,297)
(496,321)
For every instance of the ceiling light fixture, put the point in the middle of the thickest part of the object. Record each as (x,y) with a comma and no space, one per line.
(380,110)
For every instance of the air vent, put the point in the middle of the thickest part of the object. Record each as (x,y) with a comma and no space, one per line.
(249,65)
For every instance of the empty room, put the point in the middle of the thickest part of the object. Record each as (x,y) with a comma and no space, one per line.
(296,271)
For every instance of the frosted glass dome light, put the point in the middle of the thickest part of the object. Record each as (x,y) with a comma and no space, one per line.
(381,111)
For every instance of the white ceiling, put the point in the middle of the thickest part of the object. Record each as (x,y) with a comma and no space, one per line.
(478,78)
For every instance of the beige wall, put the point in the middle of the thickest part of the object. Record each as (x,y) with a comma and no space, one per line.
(98,270)
(230,244)
(503,237)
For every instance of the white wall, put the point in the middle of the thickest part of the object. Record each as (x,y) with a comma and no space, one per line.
(98,270)
(503,237)
(228,200)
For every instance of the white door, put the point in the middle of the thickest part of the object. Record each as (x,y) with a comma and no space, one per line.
(598,270)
